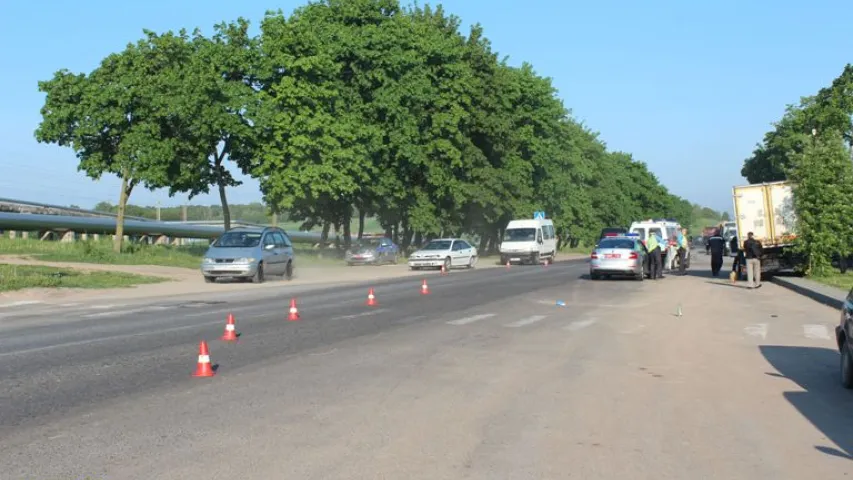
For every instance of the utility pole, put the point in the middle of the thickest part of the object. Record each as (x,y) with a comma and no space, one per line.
(158,210)
(183,213)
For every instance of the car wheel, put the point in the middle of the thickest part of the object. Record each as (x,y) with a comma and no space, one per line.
(288,271)
(535,260)
(594,276)
(447,263)
(642,275)
(209,279)
(259,275)
(846,366)
(472,261)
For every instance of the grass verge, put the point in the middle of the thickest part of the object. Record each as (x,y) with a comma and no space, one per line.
(101,252)
(18,277)
(844,281)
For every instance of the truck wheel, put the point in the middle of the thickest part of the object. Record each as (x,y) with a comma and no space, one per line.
(846,366)
(534,259)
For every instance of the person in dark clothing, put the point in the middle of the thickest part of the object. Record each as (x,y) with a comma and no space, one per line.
(753,250)
(740,261)
(717,245)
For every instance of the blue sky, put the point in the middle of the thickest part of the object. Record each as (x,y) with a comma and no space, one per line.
(687,87)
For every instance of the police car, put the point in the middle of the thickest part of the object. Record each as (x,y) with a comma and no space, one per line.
(619,255)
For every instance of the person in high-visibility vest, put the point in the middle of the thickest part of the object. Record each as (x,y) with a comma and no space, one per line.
(655,261)
(681,243)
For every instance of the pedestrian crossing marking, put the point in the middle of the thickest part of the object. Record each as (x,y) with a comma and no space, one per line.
(580,324)
(816,332)
(756,330)
(467,320)
(526,321)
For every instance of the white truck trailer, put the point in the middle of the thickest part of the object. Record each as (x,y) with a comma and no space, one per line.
(767,210)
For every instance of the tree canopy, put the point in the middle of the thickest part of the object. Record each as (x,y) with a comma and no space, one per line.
(353,108)
(811,147)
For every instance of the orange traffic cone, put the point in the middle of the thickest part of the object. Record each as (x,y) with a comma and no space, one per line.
(203,369)
(507,264)
(547,262)
(294,313)
(230,334)
(424,288)
(443,270)
(371,299)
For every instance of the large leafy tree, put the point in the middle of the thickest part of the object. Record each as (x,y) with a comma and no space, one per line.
(111,119)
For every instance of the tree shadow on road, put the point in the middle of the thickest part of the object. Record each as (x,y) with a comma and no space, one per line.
(825,403)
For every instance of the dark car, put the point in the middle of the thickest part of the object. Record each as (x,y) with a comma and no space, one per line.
(373,251)
(843,338)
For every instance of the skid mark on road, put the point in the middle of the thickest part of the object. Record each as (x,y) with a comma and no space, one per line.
(472,319)
(526,321)
(816,332)
(756,330)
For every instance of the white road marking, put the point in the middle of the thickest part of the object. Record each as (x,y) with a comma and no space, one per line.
(69,304)
(756,330)
(104,307)
(359,315)
(819,332)
(19,303)
(580,324)
(467,320)
(119,313)
(526,321)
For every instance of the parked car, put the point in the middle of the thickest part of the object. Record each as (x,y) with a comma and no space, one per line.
(619,256)
(844,340)
(446,252)
(372,251)
(249,253)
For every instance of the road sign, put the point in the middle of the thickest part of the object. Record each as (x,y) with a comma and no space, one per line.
(539,215)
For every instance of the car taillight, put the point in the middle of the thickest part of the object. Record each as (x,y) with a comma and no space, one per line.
(633,256)
(594,256)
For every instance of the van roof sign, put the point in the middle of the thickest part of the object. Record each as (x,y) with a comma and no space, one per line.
(539,215)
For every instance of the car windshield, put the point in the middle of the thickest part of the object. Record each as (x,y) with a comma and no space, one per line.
(438,245)
(367,243)
(617,243)
(238,240)
(520,235)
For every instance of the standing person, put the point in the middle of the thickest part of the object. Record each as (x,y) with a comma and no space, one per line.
(752,250)
(653,246)
(739,262)
(681,242)
(718,245)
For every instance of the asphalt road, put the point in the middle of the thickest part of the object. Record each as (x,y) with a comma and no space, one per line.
(487,377)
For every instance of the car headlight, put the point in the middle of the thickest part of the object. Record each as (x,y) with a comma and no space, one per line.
(245,260)
(208,260)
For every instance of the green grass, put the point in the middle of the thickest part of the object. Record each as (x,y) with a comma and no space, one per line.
(17,277)
(101,252)
(92,251)
(843,281)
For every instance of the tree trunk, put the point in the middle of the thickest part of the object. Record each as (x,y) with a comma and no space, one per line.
(226,210)
(324,236)
(361,217)
(126,188)
(348,234)
(419,239)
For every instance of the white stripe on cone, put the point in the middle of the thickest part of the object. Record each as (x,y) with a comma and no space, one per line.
(204,359)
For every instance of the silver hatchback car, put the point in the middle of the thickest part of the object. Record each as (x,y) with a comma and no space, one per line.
(623,255)
(249,253)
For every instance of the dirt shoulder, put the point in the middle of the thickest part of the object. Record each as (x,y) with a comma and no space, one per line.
(189,281)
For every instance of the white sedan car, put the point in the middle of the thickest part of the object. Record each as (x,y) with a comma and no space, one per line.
(447,252)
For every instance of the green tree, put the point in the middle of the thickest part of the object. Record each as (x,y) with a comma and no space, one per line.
(823,188)
(110,119)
